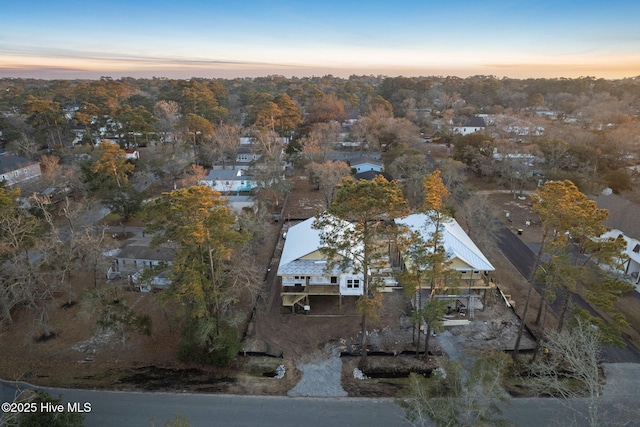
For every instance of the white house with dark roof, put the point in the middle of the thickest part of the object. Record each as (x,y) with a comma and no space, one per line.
(16,169)
(470,125)
(624,221)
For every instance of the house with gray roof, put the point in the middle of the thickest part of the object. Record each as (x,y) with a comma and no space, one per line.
(16,169)
(229,181)
(365,164)
(137,255)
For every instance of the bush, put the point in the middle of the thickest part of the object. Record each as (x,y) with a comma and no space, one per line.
(217,351)
(619,181)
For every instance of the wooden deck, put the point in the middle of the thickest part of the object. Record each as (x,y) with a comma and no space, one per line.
(298,295)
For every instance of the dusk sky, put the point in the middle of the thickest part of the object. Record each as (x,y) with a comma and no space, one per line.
(208,38)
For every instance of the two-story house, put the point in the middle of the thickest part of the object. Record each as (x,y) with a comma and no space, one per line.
(470,287)
(306,272)
(463,254)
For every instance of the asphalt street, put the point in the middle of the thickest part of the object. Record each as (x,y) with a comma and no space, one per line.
(523,258)
(139,409)
(119,408)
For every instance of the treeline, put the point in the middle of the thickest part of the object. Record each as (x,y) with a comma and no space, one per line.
(134,102)
(581,127)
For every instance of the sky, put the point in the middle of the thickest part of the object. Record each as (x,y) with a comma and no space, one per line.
(68,39)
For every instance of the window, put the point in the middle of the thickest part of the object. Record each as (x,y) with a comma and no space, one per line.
(353,283)
(334,279)
(636,248)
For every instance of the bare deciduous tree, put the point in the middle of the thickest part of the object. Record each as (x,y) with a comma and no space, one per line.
(482,221)
(320,140)
(168,114)
(455,397)
(572,358)
(327,176)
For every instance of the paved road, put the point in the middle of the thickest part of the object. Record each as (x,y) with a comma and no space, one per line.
(138,409)
(523,258)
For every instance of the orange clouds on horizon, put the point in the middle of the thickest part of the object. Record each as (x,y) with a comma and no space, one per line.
(69,68)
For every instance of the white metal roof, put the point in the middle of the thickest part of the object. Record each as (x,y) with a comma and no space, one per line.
(302,239)
(456,241)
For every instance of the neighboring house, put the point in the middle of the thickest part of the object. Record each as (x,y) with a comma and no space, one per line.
(244,159)
(238,203)
(132,154)
(552,115)
(15,169)
(470,125)
(305,271)
(365,164)
(464,255)
(136,255)
(349,156)
(229,181)
(624,221)
(521,128)
(246,155)
(247,141)
(250,140)
(524,159)
(489,119)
